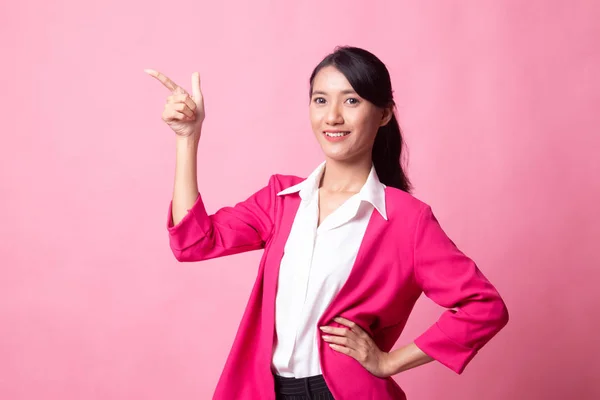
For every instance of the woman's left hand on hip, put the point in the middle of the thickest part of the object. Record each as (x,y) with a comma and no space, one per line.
(356,343)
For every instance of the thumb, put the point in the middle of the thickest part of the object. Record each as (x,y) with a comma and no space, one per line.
(196,93)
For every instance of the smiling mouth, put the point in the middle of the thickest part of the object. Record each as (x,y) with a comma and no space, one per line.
(336,134)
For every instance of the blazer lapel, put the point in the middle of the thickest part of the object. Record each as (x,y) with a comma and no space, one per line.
(289,206)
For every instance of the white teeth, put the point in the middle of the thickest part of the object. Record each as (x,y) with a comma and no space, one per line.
(331,134)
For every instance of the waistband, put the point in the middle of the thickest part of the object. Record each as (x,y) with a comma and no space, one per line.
(300,386)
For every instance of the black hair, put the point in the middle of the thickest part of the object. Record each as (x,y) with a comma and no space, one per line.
(370,78)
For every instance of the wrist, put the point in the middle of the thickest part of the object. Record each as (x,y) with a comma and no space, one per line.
(396,361)
(405,358)
(388,365)
(188,142)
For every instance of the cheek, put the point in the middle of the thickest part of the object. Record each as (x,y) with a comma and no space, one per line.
(361,121)
(316,117)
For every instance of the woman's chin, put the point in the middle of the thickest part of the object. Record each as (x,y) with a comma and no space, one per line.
(341,151)
(339,155)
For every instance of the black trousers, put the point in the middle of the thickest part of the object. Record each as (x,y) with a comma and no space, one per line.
(311,388)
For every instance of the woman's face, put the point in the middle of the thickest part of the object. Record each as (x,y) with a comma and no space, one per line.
(344,124)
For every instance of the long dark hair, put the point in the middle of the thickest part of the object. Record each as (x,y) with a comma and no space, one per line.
(370,78)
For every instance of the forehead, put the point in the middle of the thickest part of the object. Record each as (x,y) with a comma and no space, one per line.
(330,79)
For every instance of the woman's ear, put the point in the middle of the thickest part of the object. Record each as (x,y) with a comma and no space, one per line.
(388,113)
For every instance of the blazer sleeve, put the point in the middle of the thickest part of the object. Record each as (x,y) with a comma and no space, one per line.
(476,312)
(246,226)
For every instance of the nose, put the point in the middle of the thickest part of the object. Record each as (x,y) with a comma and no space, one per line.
(334,116)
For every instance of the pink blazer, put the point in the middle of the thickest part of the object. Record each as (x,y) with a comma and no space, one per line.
(398,260)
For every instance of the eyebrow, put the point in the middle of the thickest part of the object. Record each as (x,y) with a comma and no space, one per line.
(347,91)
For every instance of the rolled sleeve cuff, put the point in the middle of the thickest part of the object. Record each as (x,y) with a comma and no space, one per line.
(435,343)
(193,226)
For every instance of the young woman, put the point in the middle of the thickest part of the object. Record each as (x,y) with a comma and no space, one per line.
(347,252)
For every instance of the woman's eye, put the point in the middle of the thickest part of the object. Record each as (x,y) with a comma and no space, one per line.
(319,100)
(352,101)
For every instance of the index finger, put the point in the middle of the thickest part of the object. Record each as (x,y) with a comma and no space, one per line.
(169,84)
(336,331)
(347,322)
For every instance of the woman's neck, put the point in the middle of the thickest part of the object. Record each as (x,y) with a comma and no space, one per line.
(342,176)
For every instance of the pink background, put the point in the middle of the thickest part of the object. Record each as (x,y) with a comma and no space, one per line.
(499,102)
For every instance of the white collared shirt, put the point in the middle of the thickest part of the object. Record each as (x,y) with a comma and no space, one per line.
(315,265)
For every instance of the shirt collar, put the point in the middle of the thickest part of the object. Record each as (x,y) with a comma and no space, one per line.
(373,191)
